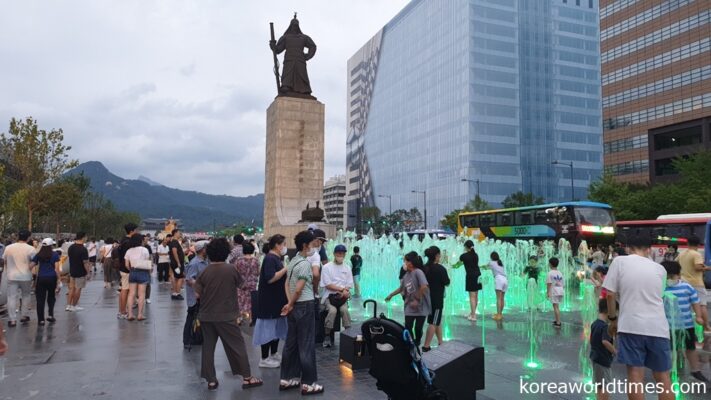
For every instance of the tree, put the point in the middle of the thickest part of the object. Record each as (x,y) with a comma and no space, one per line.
(40,157)
(521,199)
(690,193)
(476,204)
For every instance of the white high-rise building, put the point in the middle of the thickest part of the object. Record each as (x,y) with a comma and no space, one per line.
(334,195)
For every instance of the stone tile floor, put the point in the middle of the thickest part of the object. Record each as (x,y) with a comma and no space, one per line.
(92,355)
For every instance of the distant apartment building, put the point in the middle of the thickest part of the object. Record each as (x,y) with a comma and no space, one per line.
(334,196)
(463,97)
(656,85)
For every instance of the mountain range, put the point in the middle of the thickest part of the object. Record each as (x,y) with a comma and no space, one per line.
(195,210)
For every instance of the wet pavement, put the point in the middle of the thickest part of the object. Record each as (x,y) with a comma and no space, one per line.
(93,355)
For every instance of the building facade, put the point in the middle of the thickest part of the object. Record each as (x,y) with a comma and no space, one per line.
(469,97)
(334,196)
(656,86)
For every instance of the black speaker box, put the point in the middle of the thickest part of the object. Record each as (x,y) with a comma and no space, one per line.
(458,368)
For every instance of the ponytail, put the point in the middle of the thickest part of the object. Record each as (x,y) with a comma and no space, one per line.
(431,254)
(495,257)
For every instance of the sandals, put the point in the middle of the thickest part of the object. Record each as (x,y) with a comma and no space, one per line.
(212,385)
(141,319)
(130,319)
(251,382)
(290,384)
(307,390)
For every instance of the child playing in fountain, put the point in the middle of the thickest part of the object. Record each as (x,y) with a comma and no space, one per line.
(532,271)
(602,351)
(683,325)
(554,281)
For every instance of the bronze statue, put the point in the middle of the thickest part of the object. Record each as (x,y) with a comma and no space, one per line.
(313,214)
(294,78)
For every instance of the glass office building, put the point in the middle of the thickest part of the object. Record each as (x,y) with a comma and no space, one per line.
(487,91)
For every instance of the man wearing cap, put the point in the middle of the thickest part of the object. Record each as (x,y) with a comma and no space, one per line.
(642,331)
(337,281)
(194,268)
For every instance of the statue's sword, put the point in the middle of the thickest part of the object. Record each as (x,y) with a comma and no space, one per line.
(276,60)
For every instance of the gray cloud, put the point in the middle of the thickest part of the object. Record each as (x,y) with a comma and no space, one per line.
(174,90)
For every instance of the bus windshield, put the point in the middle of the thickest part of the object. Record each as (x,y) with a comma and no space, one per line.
(593,216)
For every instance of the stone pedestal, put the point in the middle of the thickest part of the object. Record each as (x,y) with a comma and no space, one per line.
(294,164)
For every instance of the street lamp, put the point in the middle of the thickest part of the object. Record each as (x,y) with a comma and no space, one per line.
(473,181)
(572,187)
(425,195)
(390,198)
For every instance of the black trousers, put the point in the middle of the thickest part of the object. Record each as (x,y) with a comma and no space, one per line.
(163,272)
(188,328)
(418,322)
(45,291)
(270,348)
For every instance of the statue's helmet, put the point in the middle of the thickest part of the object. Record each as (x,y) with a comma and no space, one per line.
(293,27)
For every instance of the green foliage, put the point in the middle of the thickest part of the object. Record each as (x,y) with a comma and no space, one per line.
(475,204)
(691,193)
(39,158)
(521,199)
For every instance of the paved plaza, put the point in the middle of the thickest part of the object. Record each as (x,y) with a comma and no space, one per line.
(93,355)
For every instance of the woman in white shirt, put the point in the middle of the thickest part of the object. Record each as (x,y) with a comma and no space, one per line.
(501,282)
(138,262)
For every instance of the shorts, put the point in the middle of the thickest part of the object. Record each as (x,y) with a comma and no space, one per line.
(92,260)
(124,280)
(556,299)
(704,296)
(435,317)
(502,283)
(471,283)
(601,374)
(139,276)
(644,351)
(685,338)
(178,271)
(77,283)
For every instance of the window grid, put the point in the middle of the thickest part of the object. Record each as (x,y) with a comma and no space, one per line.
(615,7)
(664,110)
(672,82)
(658,36)
(660,60)
(636,142)
(642,18)
(629,167)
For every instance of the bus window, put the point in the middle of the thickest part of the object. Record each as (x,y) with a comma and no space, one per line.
(524,217)
(470,221)
(504,219)
(542,217)
(486,220)
(593,216)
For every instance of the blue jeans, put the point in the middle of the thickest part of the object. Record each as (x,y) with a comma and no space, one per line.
(299,355)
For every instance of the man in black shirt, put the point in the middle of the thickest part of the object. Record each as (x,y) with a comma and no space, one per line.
(177,264)
(130,229)
(79,267)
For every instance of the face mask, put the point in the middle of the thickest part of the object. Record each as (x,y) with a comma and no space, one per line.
(283,250)
(339,260)
(312,251)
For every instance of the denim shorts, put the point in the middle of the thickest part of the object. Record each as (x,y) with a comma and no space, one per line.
(644,351)
(139,276)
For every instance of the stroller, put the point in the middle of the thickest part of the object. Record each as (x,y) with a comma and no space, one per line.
(395,361)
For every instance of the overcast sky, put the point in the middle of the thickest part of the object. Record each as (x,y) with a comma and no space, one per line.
(174,90)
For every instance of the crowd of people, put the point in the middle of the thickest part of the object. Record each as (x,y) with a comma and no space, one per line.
(229,284)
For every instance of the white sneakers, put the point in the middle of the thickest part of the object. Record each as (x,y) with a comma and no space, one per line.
(68,308)
(270,362)
(471,317)
(73,308)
